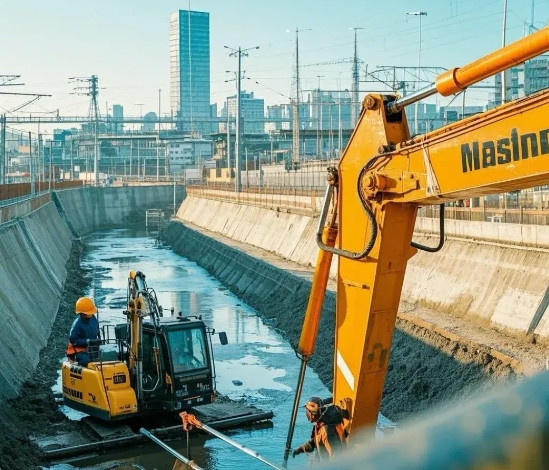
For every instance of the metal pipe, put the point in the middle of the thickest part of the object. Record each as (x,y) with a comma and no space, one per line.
(453,81)
(230,441)
(167,448)
(401,103)
(293,418)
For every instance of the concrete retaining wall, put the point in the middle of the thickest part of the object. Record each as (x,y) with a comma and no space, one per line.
(34,250)
(507,285)
(36,237)
(535,236)
(90,209)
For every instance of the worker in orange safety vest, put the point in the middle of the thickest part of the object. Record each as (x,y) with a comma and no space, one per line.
(328,436)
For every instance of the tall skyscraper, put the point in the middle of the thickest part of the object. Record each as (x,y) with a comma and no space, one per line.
(118,117)
(190,70)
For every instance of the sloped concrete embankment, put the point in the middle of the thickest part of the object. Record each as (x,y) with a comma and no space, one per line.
(34,250)
(285,233)
(90,209)
(35,244)
(505,285)
(420,374)
(498,273)
(280,297)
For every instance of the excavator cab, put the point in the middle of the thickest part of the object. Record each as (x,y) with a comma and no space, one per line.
(188,350)
(156,363)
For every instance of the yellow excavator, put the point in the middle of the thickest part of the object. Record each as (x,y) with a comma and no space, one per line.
(158,364)
(383,177)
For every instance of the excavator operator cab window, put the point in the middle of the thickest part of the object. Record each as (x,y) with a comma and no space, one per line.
(150,351)
(188,349)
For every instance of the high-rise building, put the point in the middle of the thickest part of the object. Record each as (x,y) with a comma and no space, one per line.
(281,114)
(118,117)
(522,80)
(252,113)
(190,70)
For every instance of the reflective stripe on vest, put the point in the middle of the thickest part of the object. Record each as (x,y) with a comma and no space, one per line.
(71,349)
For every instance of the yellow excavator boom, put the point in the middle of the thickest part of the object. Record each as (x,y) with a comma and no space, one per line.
(383,177)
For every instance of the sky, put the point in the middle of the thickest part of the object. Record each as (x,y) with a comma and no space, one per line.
(125,43)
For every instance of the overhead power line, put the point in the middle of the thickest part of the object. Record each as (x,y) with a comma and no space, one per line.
(90,89)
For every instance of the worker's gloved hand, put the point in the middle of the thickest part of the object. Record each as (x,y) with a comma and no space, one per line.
(297,451)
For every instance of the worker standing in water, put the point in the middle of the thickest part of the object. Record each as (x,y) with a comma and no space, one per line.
(84,338)
(328,436)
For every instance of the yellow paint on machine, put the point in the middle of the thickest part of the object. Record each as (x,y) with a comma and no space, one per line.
(107,386)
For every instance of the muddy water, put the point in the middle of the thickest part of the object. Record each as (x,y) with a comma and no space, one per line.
(256,356)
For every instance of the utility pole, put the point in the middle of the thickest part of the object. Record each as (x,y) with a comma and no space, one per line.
(94,93)
(420,14)
(91,89)
(319,120)
(295,121)
(3,165)
(50,169)
(72,159)
(238,53)
(31,169)
(355,108)
(158,142)
(504,72)
(40,161)
(228,140)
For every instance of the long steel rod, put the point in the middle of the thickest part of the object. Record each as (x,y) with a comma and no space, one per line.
(243,448)
(168,449)
(295,409)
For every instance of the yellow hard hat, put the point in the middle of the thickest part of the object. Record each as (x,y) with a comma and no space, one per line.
(314,405)
(85,305)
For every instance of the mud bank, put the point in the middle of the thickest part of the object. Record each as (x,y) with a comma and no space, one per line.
(494,279)
(425,369)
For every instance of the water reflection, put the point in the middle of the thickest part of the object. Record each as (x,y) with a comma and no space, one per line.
(257,365)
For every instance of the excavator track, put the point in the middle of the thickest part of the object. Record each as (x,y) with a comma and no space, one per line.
(93,435)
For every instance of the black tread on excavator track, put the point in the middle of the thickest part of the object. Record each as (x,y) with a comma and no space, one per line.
(102,436)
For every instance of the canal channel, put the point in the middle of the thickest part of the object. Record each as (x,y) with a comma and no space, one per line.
(257,367)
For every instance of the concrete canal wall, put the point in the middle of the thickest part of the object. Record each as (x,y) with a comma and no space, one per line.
(34,250)
(280,296)
(503,284)
(36,236)
(91,209)
(502,279)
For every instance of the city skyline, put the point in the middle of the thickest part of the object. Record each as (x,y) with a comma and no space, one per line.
(129,52)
